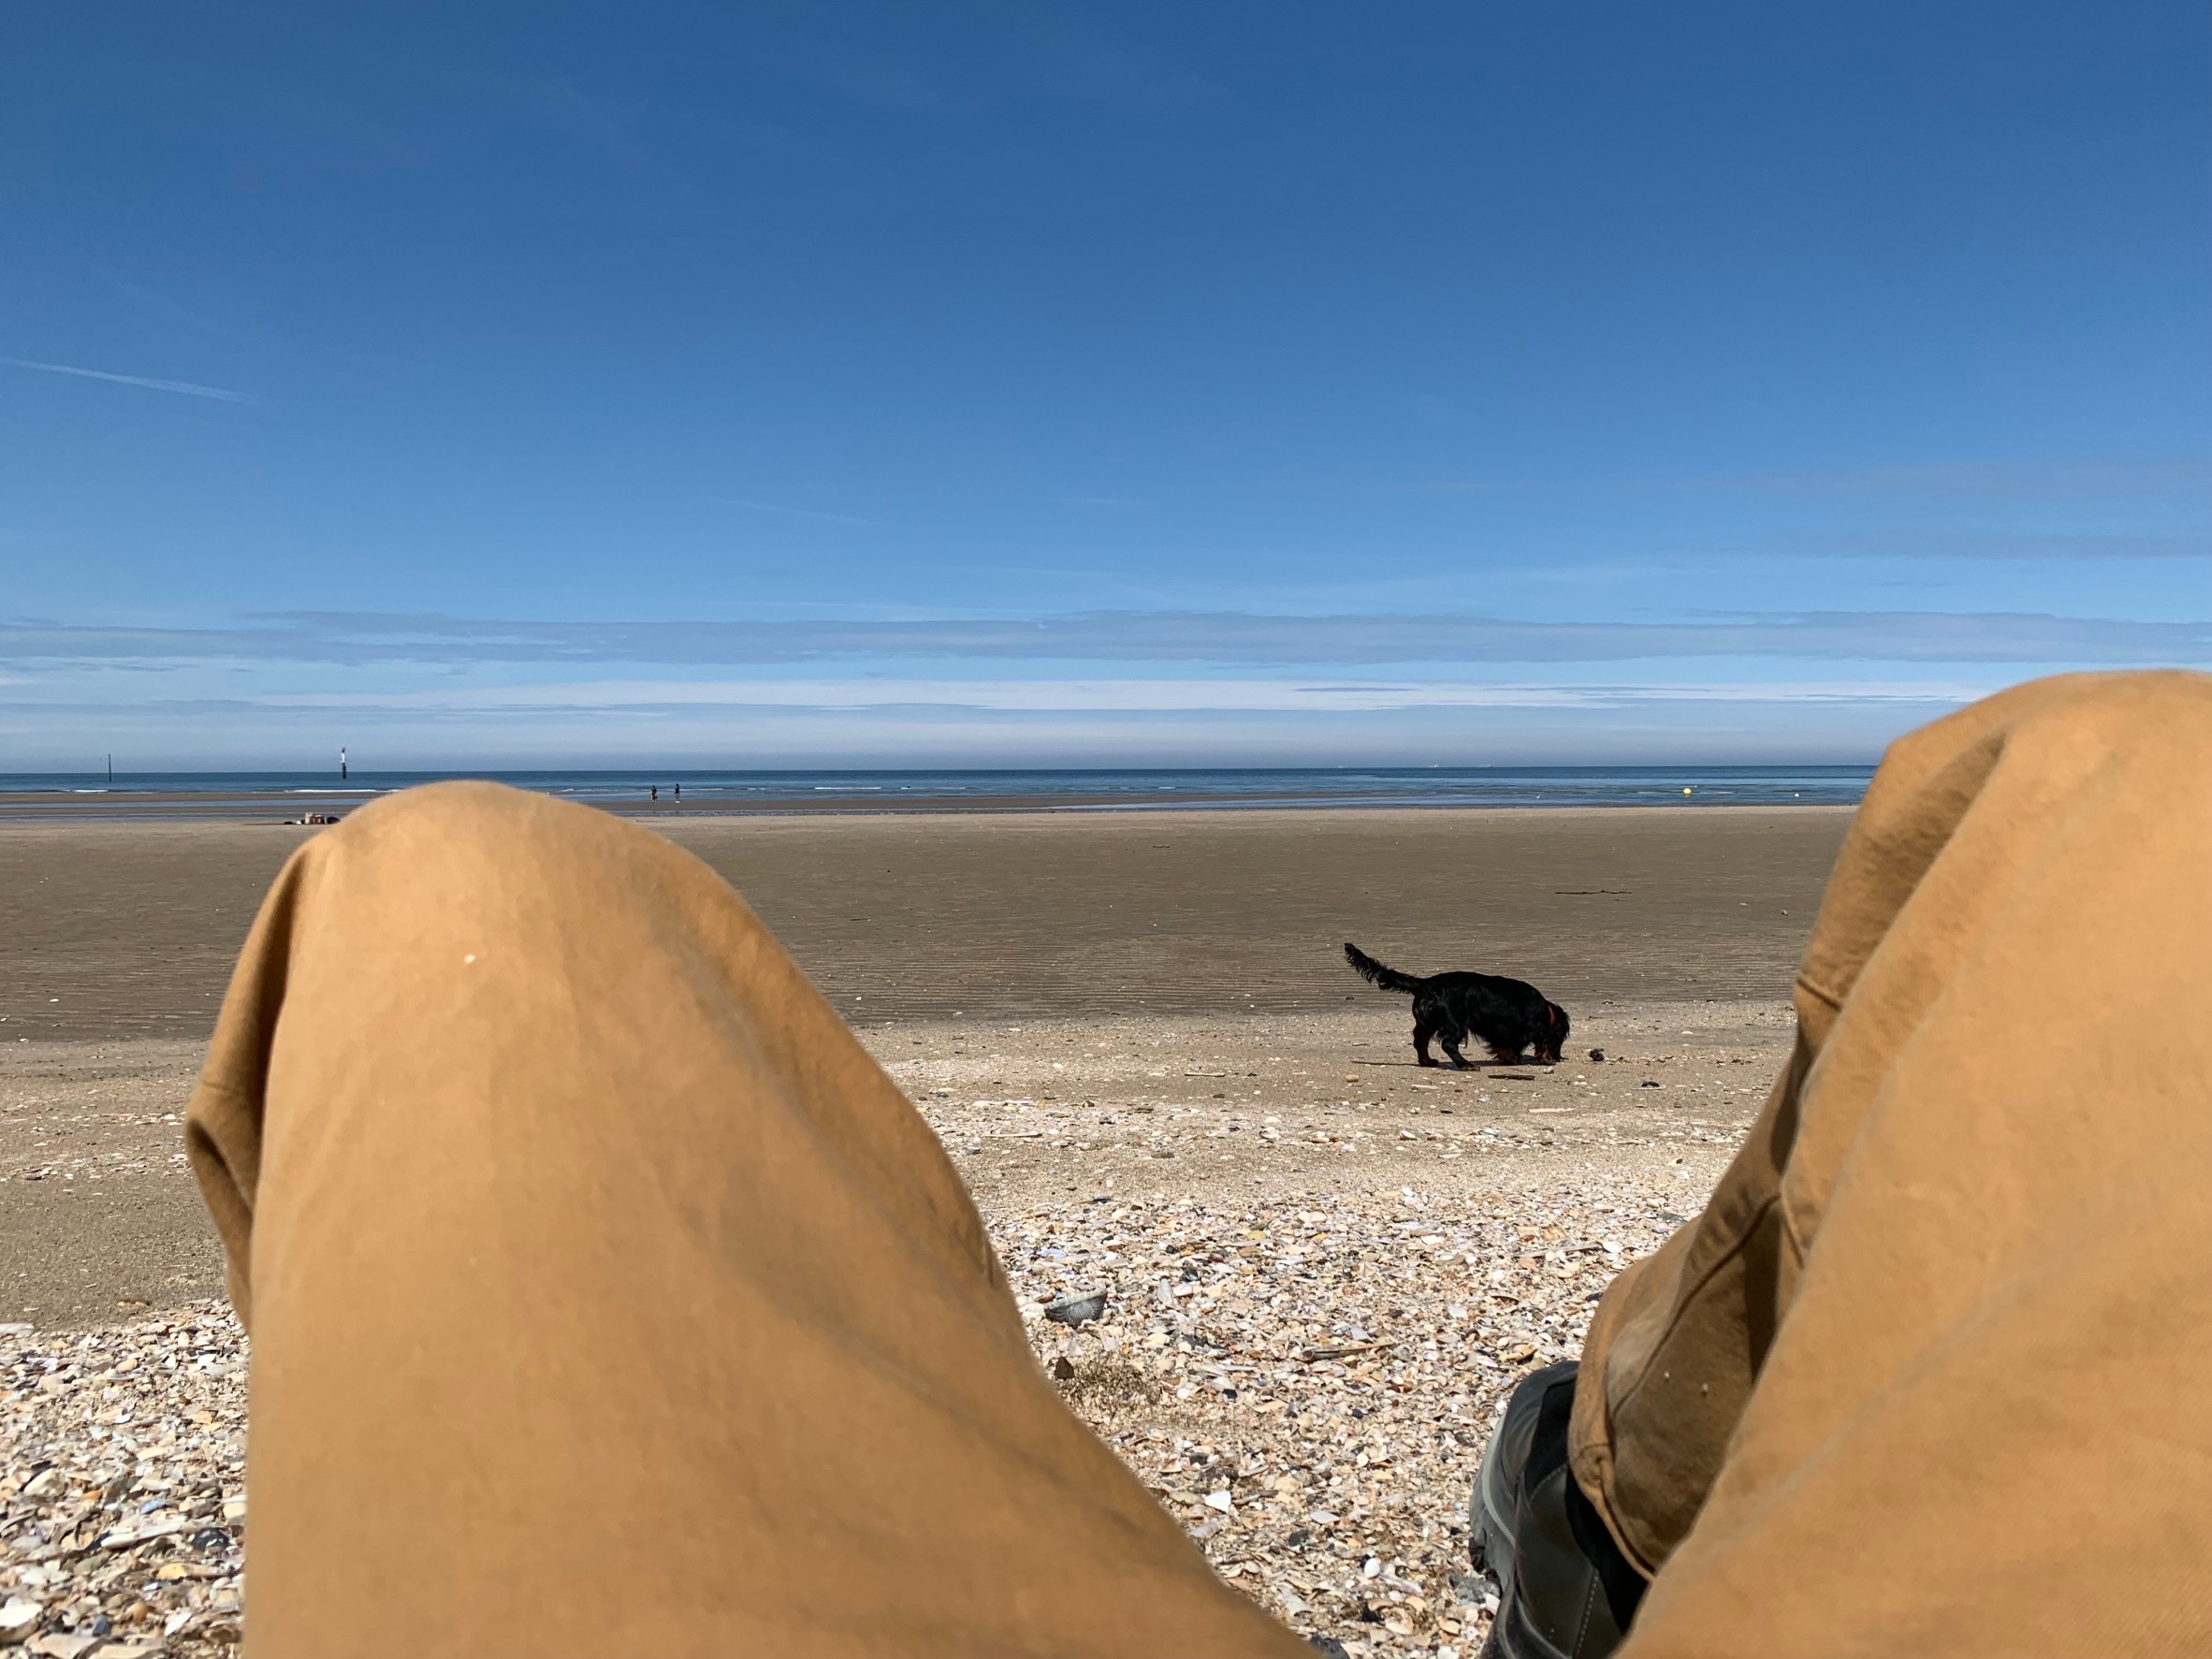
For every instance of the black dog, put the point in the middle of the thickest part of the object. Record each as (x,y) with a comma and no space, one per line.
(1508,1015)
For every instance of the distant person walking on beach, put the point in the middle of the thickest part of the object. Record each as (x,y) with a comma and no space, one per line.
(608,1298)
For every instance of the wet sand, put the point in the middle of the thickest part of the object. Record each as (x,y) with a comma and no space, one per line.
(112,931)
(994,957)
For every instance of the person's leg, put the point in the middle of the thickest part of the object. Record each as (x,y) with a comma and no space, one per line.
(607,1297)
(1933,1371)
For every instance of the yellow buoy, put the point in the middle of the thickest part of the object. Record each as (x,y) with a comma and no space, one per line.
(1685,789)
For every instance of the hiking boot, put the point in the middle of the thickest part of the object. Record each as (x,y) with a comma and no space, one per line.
(1564,1588)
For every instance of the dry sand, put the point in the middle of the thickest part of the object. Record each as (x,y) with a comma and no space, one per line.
(1136,1036)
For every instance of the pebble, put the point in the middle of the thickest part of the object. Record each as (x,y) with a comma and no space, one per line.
(1077,1310)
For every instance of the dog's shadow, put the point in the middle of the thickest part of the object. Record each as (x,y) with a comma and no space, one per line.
(1471,1066)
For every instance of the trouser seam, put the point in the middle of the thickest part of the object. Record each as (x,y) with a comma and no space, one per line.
(1830,998)
(1615,1407)
(1735,1249)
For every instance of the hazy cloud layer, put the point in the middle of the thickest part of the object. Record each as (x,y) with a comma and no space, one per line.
(1103,687)
(1025,696)
(1585,725)
(1134,637)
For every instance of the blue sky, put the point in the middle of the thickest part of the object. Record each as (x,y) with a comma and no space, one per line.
(774,384)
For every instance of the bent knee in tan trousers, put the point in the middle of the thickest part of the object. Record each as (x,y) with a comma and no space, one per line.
(607,1297)
(1932,1373)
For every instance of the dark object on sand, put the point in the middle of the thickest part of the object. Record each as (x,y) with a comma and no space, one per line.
(1507,1015)
(1063,1369)
(1077,1310)
(1597,1056)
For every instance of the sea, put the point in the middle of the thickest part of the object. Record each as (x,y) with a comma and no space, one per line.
(137,794)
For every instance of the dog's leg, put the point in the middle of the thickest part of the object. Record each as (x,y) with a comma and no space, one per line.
(1451,1041)
(1425,1025)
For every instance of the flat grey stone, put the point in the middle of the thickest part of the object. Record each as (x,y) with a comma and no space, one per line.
(1077,1310)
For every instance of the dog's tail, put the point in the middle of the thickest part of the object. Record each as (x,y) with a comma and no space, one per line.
(1374,973)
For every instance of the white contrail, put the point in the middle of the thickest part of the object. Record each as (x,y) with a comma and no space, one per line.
(186,386)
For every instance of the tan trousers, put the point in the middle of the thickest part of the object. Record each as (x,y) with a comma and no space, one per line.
(606,1298)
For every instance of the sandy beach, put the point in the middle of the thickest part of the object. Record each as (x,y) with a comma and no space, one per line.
(111,932)
(1136,1036)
